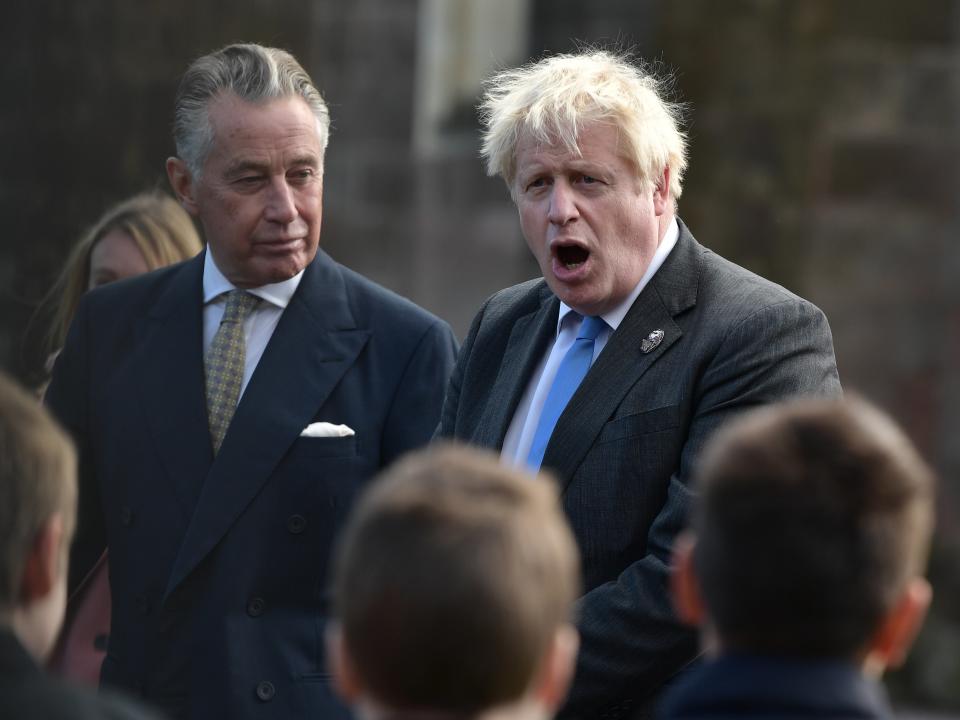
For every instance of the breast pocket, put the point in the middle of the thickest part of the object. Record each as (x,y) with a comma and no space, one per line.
(325,447)
(641,423)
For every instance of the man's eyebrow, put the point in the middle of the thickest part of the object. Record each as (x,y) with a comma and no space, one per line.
(238,167)
(241,166)
(584,164)
(308,159)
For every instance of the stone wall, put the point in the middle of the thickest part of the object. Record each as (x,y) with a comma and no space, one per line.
(825,140)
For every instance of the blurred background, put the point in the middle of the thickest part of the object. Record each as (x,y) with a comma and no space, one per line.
(825,154)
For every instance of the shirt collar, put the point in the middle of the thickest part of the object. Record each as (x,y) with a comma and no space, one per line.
(615,315)
(216,284)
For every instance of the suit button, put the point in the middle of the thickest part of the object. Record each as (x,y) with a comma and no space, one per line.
(126,516)
(255,607)
(266,690)
(296,524)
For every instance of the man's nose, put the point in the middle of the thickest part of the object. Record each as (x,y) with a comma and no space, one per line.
(280,206)
(563,206)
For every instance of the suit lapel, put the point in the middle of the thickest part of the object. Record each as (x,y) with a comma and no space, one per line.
(314,344)
(169,359)
(672,290)
(528,341)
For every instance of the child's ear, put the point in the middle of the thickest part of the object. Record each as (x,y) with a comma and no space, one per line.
(684,586)
(45,561)
(556,672)
(345,679)
(892,641)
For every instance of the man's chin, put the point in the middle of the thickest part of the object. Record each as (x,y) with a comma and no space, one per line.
(268,271)
(577,297)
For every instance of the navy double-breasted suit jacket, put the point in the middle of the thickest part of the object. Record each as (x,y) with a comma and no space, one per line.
(625,445)
(219,565)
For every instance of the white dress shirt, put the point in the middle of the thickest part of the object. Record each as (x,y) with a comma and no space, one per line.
(519,437)
(259,325)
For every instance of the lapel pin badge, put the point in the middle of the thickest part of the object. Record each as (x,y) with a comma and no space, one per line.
(651,341)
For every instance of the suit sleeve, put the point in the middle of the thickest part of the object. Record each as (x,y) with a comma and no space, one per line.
(631,642)
(68,399)
(416,404)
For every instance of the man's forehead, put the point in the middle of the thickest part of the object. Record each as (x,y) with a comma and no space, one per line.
(584,145)
(234,158)
(230,115)
(253,134)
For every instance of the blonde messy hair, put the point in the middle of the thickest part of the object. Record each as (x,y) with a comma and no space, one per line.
(554,98)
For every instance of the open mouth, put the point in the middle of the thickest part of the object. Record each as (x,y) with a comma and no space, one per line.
(571,256)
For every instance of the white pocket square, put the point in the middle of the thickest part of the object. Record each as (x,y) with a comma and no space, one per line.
(325,429)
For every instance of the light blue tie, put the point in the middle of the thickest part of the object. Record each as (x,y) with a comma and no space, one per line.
(571,372)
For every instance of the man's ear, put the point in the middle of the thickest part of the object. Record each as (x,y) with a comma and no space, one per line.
(661,193)
(899,628)
(45,562)
(556,669)
(687,599)
(345,679)
(181,180)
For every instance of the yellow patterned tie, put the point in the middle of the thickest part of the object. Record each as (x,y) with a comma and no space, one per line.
(224,364)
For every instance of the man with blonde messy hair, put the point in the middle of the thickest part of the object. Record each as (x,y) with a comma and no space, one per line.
(615,367)
(551,101)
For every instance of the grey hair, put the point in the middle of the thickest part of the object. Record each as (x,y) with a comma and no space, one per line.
(253,73)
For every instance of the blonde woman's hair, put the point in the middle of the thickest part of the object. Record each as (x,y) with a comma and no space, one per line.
(162,231)
(553,99)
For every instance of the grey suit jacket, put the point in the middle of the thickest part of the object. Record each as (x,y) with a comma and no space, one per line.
(624,448)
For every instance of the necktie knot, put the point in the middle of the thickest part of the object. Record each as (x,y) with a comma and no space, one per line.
(591,327)
(240,304)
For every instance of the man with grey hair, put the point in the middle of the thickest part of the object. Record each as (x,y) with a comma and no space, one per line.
(614,369)
(229,409)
